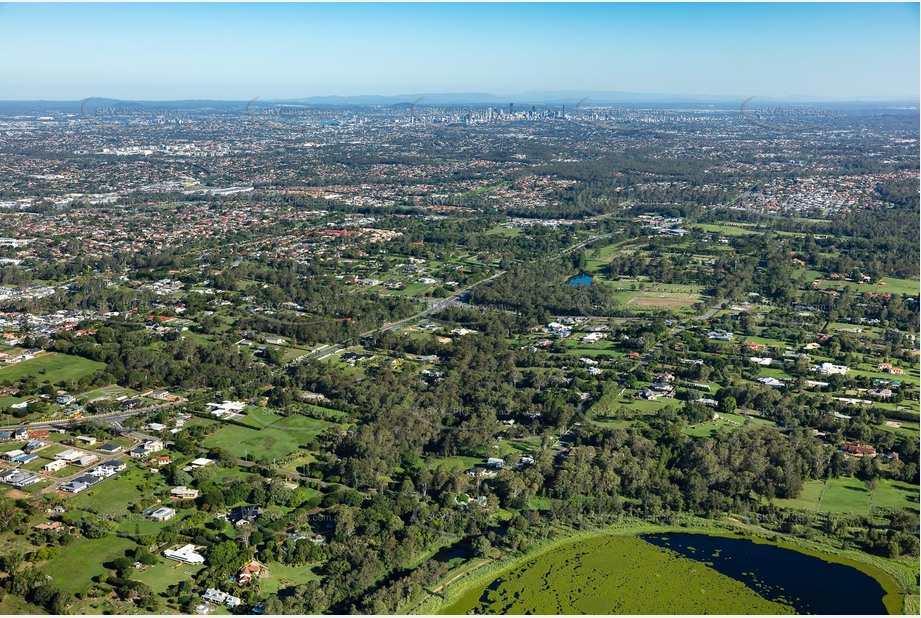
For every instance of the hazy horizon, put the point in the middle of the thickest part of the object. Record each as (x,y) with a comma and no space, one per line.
(236,52)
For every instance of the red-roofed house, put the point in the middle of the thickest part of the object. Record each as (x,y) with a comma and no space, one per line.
(248,572)
(858,451)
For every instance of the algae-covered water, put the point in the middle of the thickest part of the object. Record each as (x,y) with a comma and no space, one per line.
(674,574)
(614,575)
(808,583)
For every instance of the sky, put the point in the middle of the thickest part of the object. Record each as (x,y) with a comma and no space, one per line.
(276,51)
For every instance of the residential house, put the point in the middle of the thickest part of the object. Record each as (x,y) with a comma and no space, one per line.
(248,572)
(20,478)
(85,460)
(184,493)
(34,445)
(69,455)
(831,369)
(226,408)
(162,514)
(109,468)
(244,514)
(594,337)
(186,554)
(147,448)
(55,465)
(74,487)
(219,597)
(858,450)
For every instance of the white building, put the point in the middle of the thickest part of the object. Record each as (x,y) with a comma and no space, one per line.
(54,466)
(594,337)
(186,554)
(828,369)
(226,408)
(69,455)
(184,492)
(163,514)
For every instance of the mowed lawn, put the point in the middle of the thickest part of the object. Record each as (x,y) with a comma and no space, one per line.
(284,576)
(165,574)
(272,436)
(113,495)
(808,499)
(52,368)
(895,495)
(845,495)
(850,495)
(82,560)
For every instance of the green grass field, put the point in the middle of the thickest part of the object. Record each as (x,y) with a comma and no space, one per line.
(895,495)
(458,461)
(12,605)
(509,232)
(82,560)
(724,229)
(273,436)
(845,495)
(283,576)
(850,495)
(808,499)
(911,287)
(50,368)
(112,496)
(111,391)
(165,574)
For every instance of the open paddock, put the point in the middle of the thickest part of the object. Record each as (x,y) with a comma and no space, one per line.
(52,367)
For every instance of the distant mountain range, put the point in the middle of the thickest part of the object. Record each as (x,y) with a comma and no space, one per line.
(563,97)
(548,98)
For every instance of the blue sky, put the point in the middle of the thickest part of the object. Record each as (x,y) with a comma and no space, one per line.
(240,51)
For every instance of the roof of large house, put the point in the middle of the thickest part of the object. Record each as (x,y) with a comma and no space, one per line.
(857,448)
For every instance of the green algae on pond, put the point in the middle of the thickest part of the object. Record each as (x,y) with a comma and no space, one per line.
(613,575)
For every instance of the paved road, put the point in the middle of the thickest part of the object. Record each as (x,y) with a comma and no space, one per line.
(454,300)
(321,352)
(113,417)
